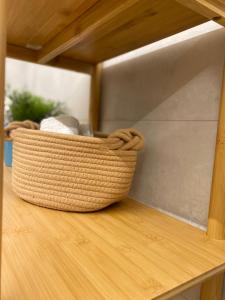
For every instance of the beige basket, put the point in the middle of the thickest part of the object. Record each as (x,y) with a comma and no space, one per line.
(72,173)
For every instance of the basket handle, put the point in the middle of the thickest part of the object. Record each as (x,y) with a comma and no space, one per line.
(126,139)
(20,124)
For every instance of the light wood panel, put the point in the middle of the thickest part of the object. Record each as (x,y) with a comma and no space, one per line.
(2,98)
(211,9)
(21,53)
(141,24)
(127,251)
(29,55)
(71,64)
(96,29)
(35,22)
(93,19)
(95,94)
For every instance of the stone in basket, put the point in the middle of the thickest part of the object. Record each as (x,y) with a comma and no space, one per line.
(74,173)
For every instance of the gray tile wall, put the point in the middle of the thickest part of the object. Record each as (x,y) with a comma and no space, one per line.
(172,96)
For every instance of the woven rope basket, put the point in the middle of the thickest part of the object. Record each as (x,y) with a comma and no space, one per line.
(71,173)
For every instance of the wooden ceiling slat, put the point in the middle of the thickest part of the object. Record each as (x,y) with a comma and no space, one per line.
(36,22)
(211,9)
(92,31)
(21,53)
(71,64)
(29,55)
(141,24)
(85,26)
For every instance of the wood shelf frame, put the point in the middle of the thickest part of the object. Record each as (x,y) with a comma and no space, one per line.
(211,9)
(2,97)
(79,41)
(95,97)
(61,62)
(88,23)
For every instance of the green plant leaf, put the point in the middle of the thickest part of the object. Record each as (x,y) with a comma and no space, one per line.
(26,106)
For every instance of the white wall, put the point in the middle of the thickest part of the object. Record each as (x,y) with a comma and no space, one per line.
(68,87)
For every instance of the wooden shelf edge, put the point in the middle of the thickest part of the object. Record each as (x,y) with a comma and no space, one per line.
(191,283)
(61,62)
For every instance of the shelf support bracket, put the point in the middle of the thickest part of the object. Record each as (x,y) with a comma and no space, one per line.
(95,95)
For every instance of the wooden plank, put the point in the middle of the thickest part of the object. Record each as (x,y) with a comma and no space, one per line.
(34,23)
(141,24)
(2,97)
(97,29)
(21,53)
(95,94)
(127,251)
(211,9)
(83,28)
(71,64)
(212,289)
(29,55)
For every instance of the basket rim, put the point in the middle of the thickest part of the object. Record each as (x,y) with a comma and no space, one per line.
(62,136)
(69,138)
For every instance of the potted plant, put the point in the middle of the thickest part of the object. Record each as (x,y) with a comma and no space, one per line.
(23,105)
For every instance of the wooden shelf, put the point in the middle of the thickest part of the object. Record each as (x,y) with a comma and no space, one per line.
(127,251)
(91,31)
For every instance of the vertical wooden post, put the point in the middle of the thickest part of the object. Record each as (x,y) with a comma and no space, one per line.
(212,288)
(2,96)
(94,110)
(216,221)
